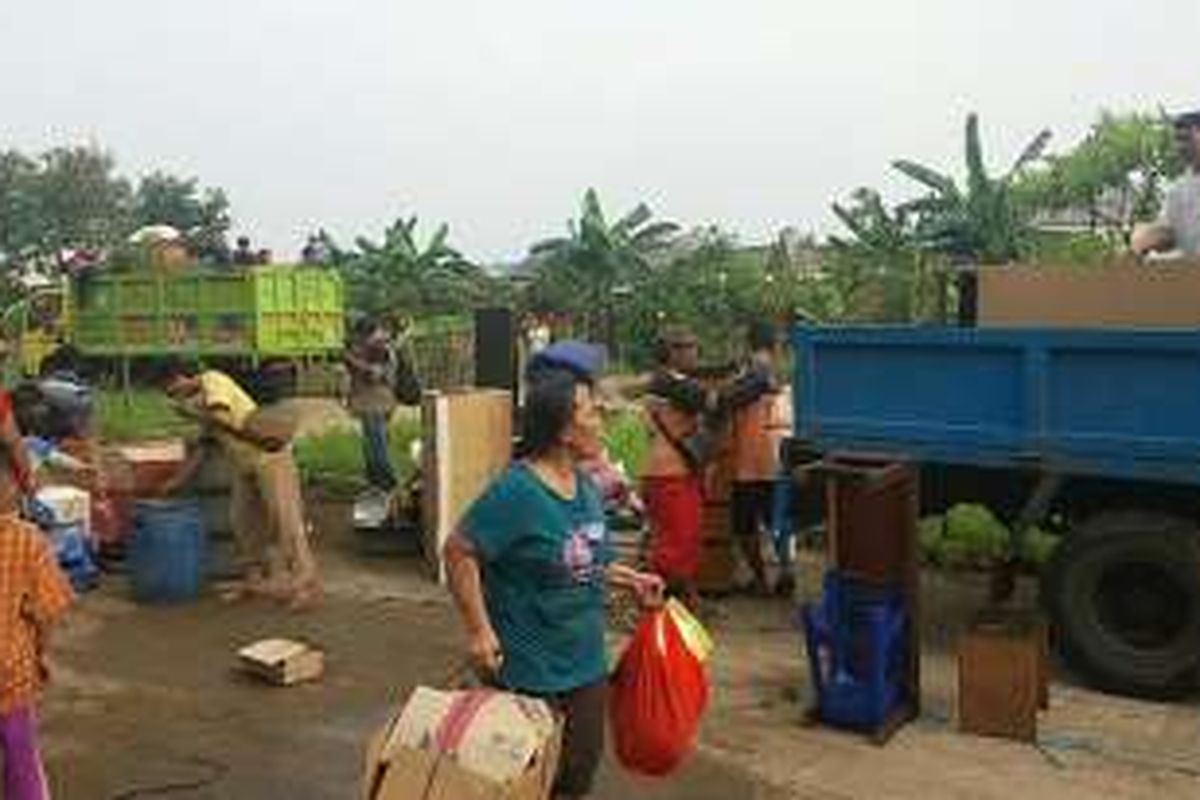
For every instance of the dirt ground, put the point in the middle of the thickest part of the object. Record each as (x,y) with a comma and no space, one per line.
(144,704)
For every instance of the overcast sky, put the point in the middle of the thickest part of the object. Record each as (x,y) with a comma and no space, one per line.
(495,115)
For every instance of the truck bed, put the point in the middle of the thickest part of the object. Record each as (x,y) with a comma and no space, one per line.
(260,311)
(1108,403)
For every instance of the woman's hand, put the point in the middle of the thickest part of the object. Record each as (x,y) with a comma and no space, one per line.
(486,655)
(648,588)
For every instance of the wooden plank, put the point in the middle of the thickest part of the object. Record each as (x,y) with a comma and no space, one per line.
(467,441)
(1120,294)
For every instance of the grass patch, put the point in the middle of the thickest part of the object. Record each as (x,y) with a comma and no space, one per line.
(333,461)
(627,440)
(138,414)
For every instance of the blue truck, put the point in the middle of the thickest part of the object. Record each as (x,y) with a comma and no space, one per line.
(1096,429)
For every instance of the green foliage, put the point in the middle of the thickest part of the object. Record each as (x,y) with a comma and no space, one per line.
(1039,546)
(138,414)
(82,203)
(73,198)
(202,216)
(970,536)
(1070,249)
(581,272)
(973,535)
(20,206)
(882,274)
(627,440)
(333,460)
(1115,177)
(400,275)
(981,222)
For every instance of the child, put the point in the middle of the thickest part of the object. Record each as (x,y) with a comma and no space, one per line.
(33,595)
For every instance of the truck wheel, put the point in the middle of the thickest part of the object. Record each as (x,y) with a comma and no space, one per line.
(1123,592)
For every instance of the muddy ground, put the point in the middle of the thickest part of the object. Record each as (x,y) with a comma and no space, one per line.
(145,705)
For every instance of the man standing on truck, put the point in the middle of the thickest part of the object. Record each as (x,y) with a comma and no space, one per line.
(1178,227)
(266,504)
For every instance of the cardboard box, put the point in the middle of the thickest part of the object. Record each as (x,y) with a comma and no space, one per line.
(282,662)
(468,745)
(1122,294)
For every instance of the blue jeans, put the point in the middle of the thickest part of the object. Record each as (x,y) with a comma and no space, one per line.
(781,520)
(375,452)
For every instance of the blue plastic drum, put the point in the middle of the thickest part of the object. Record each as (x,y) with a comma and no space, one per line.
(167,555)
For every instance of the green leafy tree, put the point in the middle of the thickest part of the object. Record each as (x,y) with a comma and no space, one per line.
(581,271)
(980,222)
(881,273)
(400,274)
(1114,178)
(80,201)
(202,216)
(20,229)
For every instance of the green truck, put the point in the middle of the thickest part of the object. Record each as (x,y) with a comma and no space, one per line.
(121,321)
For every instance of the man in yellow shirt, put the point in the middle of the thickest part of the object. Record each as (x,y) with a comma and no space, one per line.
(266,504)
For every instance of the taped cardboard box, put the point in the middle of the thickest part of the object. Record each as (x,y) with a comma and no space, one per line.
(466,745)
(282,662)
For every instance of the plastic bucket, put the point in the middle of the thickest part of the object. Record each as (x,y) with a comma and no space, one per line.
(167,555)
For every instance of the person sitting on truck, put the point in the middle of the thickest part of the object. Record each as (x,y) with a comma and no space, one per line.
(243,255)
(266,504)
(1178,227)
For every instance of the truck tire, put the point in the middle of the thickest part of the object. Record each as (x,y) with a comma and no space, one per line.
(1123,593)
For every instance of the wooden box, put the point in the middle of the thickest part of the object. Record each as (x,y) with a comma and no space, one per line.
(1002,675)
(467,441)
(871,505)
(718,556)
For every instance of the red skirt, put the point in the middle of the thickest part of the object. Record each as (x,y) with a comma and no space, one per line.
(673,508)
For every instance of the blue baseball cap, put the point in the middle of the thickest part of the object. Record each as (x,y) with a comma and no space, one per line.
(584,359)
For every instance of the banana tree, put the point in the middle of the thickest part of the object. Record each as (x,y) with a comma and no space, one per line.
(582,270)
(980,222)
(401,274)
(880,273)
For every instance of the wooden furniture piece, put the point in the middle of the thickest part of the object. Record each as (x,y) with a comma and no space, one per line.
(872,502)
(718,552)
(1002,674)
(466,441)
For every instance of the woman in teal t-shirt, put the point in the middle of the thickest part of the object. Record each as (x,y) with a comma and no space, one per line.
(529,565)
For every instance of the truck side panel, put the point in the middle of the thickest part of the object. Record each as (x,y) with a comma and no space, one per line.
(264,312)
(1117,404)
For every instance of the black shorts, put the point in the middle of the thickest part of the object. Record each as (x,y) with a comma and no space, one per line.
(583,711)
(750,507)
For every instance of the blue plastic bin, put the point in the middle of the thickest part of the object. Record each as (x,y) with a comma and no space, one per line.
(855,641)
(167,555)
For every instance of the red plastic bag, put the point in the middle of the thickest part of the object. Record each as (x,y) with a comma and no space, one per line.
(658,695)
